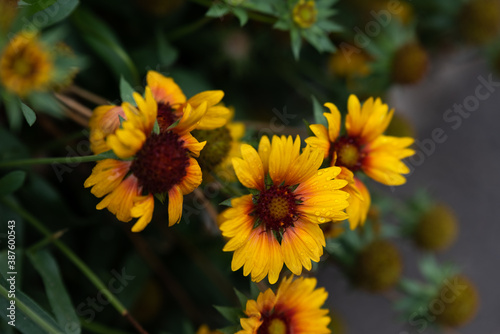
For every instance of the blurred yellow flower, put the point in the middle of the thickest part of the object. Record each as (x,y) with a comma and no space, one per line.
(204,329)
(25,65)
(295,308)
(223,144)
(304,13)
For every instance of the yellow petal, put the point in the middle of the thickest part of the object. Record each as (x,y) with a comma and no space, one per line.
(264,152)
(321,140)
(249,170)
(175,200)
(193,177)
(121,200)
(333,119)
(215,117)
(211,97)
(143,209)
(164,89)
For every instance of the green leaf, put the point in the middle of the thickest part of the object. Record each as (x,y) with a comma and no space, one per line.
(46,103)
(101,38)
(254,291)
(296,41)
(318,110)
(13,110)
(329,26)
(36,15)
(162,197)
(28,113)
(253,191)
(410,287)
(174,124)
(262,6)
(319,40)
(218,9)
(241,14)
(156,128)
(30,318)
(126,92)
(282,25)
(108,155)
(233,314)
(11,182)
(242,298)
(57,295)
(227,202)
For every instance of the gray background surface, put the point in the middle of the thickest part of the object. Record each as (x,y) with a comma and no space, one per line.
(463,172)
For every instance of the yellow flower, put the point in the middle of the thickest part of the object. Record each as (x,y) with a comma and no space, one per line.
(162,163)
(223,144)
(437,228)
(105,120)
(410,64)
(350,67)
(25,65)
(363,148)
(304,13)
(295,308)
(462,307)
(378,266)
(479,21)
(204,329)
(279,223)
(172,101)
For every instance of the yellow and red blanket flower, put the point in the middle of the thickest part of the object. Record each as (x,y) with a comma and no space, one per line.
(363,148)
(279,223)
(295,308)
(26,65)
(157,163)
(172,101)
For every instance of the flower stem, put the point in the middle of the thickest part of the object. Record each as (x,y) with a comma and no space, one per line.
(188,29)
(76,261)
(60,160)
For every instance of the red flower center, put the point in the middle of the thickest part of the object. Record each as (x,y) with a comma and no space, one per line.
(273,323)
(161,162)
(349,153)
(276,207)
(165,116)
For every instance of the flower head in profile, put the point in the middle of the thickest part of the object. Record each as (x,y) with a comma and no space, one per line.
(223,144)
(26,65)
(152,162)
(204,329)
(363,148)
(295,308)
(279,223)
(172,102)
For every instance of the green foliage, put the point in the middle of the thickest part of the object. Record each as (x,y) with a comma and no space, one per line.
(57,294)
(101,38)
(11,182)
